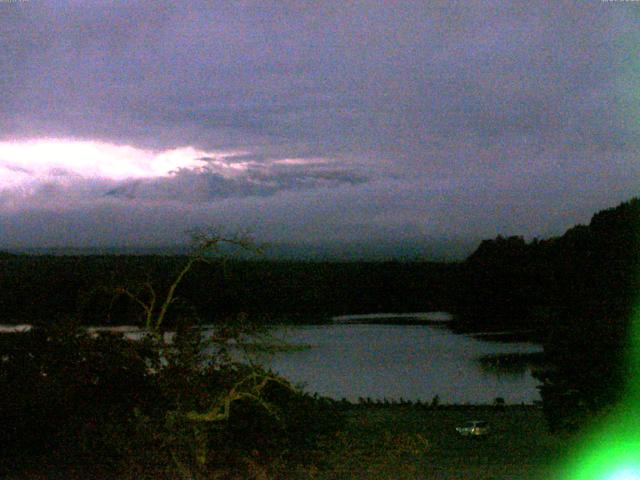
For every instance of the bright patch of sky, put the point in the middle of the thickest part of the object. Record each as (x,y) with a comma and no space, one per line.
(25,162)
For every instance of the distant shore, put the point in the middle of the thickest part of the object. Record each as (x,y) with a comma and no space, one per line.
(416,318)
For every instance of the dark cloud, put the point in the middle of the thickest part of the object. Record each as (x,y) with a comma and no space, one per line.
(204,185)
(514,116)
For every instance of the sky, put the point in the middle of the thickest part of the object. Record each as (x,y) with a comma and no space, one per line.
(314,122)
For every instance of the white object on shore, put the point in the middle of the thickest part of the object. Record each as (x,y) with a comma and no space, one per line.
(15,328)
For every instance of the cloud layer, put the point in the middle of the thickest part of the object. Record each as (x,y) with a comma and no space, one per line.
(60,175)
(433,119)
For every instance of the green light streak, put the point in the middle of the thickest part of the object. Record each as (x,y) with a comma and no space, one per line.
(612,453)
(630,473)
(610,450)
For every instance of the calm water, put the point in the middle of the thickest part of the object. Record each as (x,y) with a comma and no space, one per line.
(394,361)
(414,362)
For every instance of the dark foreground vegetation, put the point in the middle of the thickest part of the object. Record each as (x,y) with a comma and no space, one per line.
(79,406)
(180,406)
(394,443)
(75,405)
(106,407)
(158,409)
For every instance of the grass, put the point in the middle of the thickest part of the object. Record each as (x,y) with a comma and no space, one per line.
(402,442)
(397,442)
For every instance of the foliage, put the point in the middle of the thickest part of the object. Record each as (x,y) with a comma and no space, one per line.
(294,290)
(575,292)
(59,384)
(177,404)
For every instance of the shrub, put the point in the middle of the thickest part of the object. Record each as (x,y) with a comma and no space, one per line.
(181,406)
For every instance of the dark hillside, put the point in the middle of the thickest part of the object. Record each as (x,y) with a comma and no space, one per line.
(577,291)
(41,289)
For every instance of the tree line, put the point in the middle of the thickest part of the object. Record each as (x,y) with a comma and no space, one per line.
(42,289)
(578,293)
(575,293)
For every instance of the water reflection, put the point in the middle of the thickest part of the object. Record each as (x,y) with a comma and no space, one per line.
(378,361)
(415,362)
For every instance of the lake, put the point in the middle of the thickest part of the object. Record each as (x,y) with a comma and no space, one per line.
(414,362)
(415,358)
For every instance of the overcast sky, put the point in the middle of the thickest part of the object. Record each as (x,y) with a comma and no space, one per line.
(126,123)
